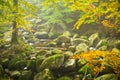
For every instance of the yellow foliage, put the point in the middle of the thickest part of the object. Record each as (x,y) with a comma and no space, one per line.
(98,59)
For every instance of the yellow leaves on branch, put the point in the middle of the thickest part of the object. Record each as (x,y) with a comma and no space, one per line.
(98,59)
(107,24)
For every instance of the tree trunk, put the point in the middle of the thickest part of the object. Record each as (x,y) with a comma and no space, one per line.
(14,39)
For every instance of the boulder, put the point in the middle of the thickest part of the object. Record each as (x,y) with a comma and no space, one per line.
(39,62)
(62,39)
(15,74)
(70,64)
(31,65)
(92,38)
(44,75)
(42,53)
(71,48)
(41,35)
(64,78)
(16,63)
(26,75)
(53,62)
(56,51)
(51,44)
(81,48)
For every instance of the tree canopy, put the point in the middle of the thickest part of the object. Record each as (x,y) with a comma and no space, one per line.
(105,12)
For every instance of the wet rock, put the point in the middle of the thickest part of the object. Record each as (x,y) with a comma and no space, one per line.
(64,78)
(41,35)
(26,75)
(53,62)
(81,48)
(44,75)
(107,77)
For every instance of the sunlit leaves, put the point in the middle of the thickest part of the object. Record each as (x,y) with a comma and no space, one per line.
(98,59)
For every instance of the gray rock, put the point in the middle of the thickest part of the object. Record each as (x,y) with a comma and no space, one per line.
(44,75)
(53,62)
(107,77)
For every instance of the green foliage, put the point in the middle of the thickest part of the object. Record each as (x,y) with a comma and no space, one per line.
(53,15)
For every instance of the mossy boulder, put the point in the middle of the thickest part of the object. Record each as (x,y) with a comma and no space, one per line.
(70,64)
(81,48)
(53,62)
(15,74)
(46,74)
(71,48)
(64,78)
(31,65)
(107,77)
(93,38)
(56,51)
(16,63)
(41,53)
(51,44)
(26,75)
(62,39)
(41,35)
(39,62)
